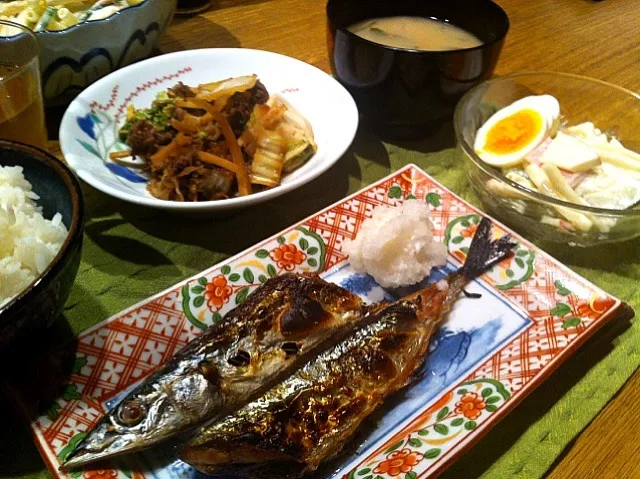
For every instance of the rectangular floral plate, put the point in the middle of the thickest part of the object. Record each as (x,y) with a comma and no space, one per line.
(489,355)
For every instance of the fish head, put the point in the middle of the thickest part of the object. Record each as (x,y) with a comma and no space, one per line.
(146,416)
(258,342)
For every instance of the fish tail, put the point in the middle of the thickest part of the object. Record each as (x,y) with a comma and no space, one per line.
(485,252)
(436,300)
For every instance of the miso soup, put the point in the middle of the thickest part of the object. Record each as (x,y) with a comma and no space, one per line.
(415,33)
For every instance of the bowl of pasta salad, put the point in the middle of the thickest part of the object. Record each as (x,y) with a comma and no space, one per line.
(84,40)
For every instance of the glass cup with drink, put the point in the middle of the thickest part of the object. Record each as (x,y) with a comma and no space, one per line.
(21,105)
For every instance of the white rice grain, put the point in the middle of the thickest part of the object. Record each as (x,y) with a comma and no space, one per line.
(28,241)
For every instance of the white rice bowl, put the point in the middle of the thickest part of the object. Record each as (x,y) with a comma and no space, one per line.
(28,241)
(396,245)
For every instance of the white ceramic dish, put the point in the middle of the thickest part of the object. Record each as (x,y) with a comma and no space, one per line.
(88,131)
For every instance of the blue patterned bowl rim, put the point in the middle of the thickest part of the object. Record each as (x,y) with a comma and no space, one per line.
(111,17)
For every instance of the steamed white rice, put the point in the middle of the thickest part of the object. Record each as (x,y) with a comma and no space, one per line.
(28,241)
(396,245)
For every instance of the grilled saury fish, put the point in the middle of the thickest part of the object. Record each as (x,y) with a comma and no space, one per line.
(281,325)
(307,418)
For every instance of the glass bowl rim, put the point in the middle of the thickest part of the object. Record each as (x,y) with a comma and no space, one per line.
(535,196)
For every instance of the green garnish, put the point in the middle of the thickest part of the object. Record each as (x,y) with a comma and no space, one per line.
(159,115)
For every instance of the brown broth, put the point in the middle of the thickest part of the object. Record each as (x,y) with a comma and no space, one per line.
(415,33)
(21,110)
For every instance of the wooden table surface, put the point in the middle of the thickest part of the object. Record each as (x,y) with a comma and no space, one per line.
(598,39)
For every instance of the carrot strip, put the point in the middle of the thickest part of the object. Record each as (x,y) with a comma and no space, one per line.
(205,119)
(183,139)
(244,185)
(189,125)
(116,155)
(191,122)
(218,161)
(128,164)
(177,125)
(187,104)
(163,153)
(218,97)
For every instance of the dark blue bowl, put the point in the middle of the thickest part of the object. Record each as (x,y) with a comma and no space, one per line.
(32,311)
(407,93)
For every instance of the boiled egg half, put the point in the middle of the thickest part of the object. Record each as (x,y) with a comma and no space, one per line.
(514,131)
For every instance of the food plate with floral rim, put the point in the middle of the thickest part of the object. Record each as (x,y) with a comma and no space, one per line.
(531,315)
(89,128)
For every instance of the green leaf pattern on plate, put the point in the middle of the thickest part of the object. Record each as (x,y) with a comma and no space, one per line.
(562,289)
(560,309)
(571,322)
(396,192)
(62,455)
(434,199)
(117,473)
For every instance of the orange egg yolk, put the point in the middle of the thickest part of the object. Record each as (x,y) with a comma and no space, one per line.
(514,132)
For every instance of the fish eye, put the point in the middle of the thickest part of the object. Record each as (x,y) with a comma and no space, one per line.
(131,413)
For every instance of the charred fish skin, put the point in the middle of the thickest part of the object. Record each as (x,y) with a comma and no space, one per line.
(308,418)
(258,343)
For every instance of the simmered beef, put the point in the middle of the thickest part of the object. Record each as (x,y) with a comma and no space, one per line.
(163,137)
(260,93)
(145,140)
(240,105)
(216,183)
(142,139)
(180,90)
(186,178)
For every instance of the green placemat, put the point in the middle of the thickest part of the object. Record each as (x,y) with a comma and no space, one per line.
(132,252)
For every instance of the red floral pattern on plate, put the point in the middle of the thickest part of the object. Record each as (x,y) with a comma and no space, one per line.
(470,406)
(217,293)
(100,474)
(399,462)
(287,256)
